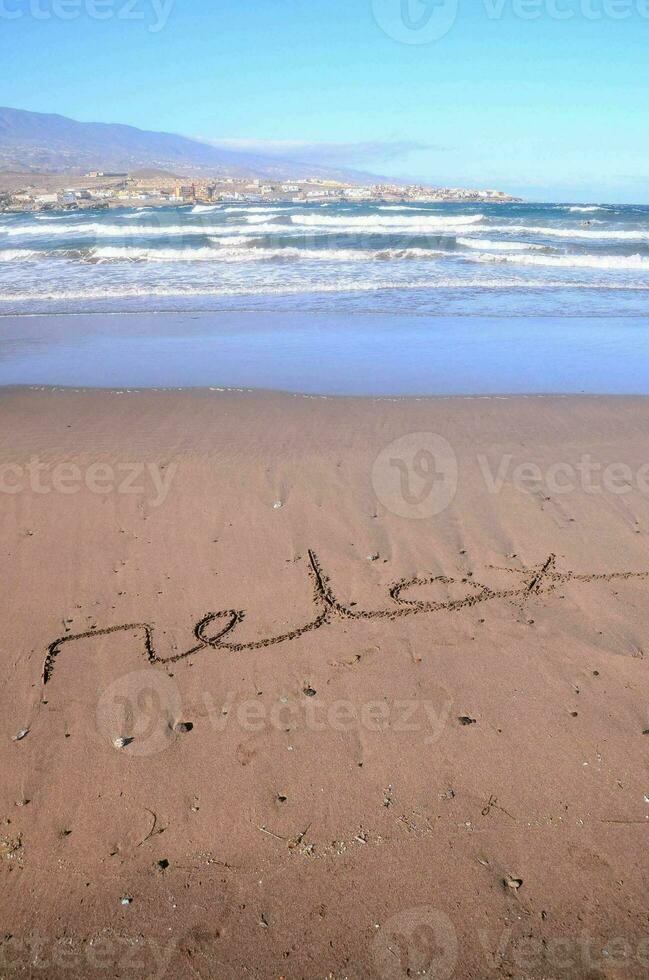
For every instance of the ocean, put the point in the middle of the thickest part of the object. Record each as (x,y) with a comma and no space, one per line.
(466,259)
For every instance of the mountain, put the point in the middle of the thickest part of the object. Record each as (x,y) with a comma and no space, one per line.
(44,143)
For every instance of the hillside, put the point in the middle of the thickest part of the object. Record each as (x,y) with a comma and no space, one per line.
(44,143)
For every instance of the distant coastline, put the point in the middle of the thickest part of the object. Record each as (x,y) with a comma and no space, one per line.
(28,192)
(50,162)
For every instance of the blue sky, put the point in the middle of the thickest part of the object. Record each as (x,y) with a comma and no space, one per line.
(546,98)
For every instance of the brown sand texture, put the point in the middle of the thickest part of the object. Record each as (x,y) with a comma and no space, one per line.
(323,688)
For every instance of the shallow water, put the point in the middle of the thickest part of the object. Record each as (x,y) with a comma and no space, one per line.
(330,353)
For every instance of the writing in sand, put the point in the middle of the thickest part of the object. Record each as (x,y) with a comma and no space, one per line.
(539,580)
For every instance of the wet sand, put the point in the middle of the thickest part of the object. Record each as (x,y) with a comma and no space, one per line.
(335,354)
(323,687)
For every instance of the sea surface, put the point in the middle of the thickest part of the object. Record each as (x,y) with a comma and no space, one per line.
(477,259)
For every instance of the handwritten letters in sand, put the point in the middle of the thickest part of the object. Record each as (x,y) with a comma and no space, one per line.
(216,630)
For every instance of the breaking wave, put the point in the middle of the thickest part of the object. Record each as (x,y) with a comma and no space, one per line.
(503,246)
(75,259)
(639,263)
(378,222)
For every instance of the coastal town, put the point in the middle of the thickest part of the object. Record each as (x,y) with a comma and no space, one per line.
(99,189)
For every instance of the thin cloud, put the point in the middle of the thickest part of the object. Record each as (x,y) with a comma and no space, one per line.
(328,153)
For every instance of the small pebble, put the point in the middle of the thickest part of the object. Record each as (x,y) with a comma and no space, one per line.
(121,742)
(277,504)
(20,735)
(374,557)
(513,883)
(466,720)
(126,900)
(183,727)
(310,692)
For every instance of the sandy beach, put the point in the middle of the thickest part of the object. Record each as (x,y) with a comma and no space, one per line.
(324,490)
(323,687)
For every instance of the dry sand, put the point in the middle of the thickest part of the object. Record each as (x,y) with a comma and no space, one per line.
(447,778)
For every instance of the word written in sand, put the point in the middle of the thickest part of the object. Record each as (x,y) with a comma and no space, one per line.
(539,580)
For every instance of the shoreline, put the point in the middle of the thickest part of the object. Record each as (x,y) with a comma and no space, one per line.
(315,314)
(11,389)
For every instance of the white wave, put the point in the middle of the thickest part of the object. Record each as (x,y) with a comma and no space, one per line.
(486,245)
(232,251)
(133,254)
(262,209)
(588,210)
(135,215)
(379,223)
(347,286)
(602,262)
(205,208)
(400,207)
(259,219)
(391,254)
(138,291)
(235,240)
(97,230)
(87,229)
(17,254)
(205,254)
(51,217)
(585,233)
(328,224)
(246,230)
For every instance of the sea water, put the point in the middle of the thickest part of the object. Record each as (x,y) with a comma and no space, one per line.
(497,259)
